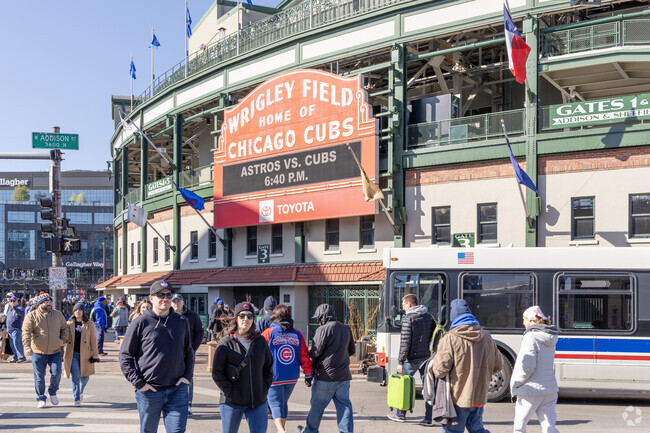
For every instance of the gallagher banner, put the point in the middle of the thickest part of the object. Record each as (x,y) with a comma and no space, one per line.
(282,155)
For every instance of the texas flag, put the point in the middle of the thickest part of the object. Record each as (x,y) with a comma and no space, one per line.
(518,50)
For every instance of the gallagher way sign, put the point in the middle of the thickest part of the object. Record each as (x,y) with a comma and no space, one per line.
(619,109)
(50,140)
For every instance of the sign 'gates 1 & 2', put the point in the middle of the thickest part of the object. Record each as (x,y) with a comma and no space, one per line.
(283,153)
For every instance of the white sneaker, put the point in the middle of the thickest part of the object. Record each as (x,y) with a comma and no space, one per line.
(54,400)
(77,403)
(41,404)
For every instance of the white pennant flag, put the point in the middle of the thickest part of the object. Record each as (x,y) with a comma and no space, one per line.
(137,215)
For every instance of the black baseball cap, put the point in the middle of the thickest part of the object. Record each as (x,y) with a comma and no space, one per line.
(159,286)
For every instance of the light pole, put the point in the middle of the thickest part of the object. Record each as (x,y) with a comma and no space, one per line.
(103,261)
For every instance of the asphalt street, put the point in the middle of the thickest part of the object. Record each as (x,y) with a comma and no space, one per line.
(109,406)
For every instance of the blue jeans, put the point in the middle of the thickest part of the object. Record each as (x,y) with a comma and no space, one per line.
(78,382)
(410,368)
(16,343)
(119,330)
(171,402)
(40,363)
(470,417)
(279,398)
(321,395)
(99,331)
(231,415)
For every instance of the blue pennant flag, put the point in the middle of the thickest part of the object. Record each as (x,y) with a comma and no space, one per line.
(521,175)
(132,70)
(250,3)
(191,198)
(188,21)
(155,42)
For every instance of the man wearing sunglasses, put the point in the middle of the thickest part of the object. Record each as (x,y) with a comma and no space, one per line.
(156,357)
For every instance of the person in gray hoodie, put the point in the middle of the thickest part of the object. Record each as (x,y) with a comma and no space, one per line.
(533,379)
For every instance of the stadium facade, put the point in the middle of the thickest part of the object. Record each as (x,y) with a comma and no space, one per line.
(420,91)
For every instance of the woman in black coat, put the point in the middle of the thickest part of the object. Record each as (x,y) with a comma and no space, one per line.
(246,394)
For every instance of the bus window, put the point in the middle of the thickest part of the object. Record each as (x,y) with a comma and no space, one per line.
(426,286)
(595,302)
(498,300)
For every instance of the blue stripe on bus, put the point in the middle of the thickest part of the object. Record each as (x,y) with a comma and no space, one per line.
(620,345)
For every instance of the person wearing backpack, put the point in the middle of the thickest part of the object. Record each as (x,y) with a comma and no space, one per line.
(415,339)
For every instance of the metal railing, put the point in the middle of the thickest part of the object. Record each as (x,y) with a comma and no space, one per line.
(290,22)
(466,129)
(598,36)
(196,177)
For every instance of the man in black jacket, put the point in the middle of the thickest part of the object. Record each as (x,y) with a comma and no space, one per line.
(330,353)
(415,338)
(196,330)
(156,357)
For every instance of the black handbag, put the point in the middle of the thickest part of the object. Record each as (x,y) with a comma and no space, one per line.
(232,371)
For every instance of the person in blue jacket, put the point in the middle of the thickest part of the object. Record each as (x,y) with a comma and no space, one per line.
(99,317)
(15,318)
(289,352)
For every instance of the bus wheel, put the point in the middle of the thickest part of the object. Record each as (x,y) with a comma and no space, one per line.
(500,382)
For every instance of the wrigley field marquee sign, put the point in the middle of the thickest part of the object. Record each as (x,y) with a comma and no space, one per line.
(619,109)
(285,152)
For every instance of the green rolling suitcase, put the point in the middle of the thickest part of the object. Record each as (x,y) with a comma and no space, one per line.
(401,392)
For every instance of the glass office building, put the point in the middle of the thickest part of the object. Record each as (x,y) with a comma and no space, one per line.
(87,201)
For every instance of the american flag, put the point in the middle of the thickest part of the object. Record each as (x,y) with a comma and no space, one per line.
(465,258)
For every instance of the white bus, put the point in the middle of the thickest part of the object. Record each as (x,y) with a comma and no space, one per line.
(599,298)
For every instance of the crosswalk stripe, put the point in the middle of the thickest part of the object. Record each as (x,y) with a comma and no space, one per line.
(73,415)
(108,428)
(32,402)
(62,395)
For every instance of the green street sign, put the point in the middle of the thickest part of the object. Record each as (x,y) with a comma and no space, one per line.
(51,140)
(617,109)
(463,240)
(263,253)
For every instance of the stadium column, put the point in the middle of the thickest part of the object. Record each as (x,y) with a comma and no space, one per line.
(398,124)
(299,242)
(116,199)
(178,156)
(531,30)
(125,191)
(144,176)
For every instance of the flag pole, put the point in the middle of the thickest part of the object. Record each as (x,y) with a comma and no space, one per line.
(238,27)
(212,229)
(131,76)
(187,49)
(152,74)
(383,206)
(521,194)
(171,247)
(163,155)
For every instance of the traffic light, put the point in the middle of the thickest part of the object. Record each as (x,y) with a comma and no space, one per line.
(48,215)
(70,242)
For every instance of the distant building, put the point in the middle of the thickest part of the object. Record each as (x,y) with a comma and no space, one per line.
(87,202)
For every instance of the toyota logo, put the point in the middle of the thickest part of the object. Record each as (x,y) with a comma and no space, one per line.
(266,210)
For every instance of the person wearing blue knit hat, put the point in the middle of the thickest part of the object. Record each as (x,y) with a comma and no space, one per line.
(469,356)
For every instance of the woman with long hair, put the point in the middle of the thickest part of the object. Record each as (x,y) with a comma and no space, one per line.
(80,352)
(243,370)
(533,378)
(145,304)
(289,352)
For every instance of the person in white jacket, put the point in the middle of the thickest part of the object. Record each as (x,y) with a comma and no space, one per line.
(533,378)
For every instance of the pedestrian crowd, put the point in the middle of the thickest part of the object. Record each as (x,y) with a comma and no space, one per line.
(257,363)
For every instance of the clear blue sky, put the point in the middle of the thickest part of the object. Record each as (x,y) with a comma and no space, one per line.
(63,59)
